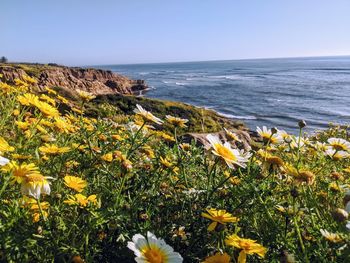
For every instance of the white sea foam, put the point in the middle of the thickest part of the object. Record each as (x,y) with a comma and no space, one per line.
(231,116)
(180,83)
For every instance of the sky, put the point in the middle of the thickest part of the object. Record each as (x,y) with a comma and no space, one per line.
(96,32)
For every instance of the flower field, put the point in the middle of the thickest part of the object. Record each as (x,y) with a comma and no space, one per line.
(80,189)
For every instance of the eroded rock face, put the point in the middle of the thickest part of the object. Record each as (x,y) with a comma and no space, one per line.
(246,139)
(95,81)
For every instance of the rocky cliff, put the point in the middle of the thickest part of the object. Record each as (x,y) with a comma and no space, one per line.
(95,81)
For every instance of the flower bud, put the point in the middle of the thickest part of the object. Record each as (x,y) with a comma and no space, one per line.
(340,215)
(274,130)
(301,124)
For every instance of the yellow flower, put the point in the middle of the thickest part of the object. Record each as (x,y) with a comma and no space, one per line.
(268,136)
(337,155)
(48,99)
(81,200)
(20,171)
(108,157)
(62,99)
(52,149)
(146,115)
(35,184)
(23,125)
(51,91)
(33,206)
(231,135)
(85,96)
(75,183)
(231,156)
(28,99)
(29,80)
(4,146)
(247,246)
(232,179)
(177,121)
(339,144)
(5,88)
(218,258)
(219,216)
(332,237)
(46,109)
(117,137)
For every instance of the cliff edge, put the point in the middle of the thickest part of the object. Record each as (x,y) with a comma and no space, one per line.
(96,81)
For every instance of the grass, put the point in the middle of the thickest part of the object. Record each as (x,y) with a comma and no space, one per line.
(130,179)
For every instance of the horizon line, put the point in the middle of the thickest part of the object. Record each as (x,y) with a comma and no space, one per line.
(217,60)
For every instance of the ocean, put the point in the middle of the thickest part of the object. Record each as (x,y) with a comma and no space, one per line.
(271,92)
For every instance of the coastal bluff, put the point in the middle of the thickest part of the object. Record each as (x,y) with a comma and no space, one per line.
(95,81)
(116,92)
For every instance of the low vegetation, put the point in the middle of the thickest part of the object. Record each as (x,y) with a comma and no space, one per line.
(93,188)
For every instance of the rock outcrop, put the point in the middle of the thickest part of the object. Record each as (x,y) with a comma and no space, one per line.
(96,81)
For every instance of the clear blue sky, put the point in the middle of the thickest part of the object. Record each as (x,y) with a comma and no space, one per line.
(90,32)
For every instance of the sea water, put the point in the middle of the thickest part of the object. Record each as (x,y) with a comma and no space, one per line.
(271,92)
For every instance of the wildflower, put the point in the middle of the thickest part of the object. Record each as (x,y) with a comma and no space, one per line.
(146,115)
(29,79)
(75,183)
(52,149)
(185,146)
(117,137)
(51,91)
(337,155)
(167,137)
(48,99)
(21,171)
(180,232)
(219,217)
(153,250)
(4,146)
(28,99)
(108,157)
(234,180)
(177,121)
(339,144)
(218,258)
(63,100)
(85,96)
(268,136)
(305,176)
(332,237)
(231,156)
(35,184)
(247,246)
(23,125)
(3,161)
(34,208)
(232,136)
(81,200)
(46,109)
(167,164)
(340,215)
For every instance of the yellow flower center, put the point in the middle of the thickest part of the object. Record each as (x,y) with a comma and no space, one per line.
(225,152)
(339,146)
(154,256)
(35,178)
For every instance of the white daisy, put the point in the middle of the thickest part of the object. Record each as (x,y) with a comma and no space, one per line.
(339,144)
(269,136)
(147,115)
(3,161)
(231,156)
(153,250)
